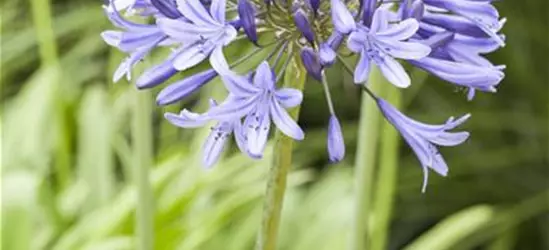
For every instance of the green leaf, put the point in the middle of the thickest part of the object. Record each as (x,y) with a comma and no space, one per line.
(454,229)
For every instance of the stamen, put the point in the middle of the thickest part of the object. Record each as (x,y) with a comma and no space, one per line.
(283,69)
(249,55)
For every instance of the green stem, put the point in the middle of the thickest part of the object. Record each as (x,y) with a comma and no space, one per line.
(387,177)
(294,77)
(143,160)
(43,25)
(365,159)
(41,14)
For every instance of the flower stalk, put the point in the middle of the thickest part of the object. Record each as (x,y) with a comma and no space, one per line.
(143,160)
(294,77)
(368,138)
(386,178)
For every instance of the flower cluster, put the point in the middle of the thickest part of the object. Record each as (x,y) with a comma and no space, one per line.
(446,38)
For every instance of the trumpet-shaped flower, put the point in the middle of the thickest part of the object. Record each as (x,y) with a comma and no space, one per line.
(423,138)
(259,102)
(200,34)
(456,58)
(136,39)
(481,14)
(217,139)
(381,44)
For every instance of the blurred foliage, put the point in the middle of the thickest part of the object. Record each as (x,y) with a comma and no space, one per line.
(67,179)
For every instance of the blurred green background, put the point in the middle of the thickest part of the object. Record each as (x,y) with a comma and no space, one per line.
(67,172)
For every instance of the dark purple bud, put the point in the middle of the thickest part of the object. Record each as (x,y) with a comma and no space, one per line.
(180,89)
(311,62)
(315,4)
(368,8)
(336,144)
(156,75)
(302,23)
(167,8)
(246,13)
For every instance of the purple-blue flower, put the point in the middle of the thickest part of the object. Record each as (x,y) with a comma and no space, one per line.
(423,138)
(256,99)
(458,59)
(341,17)
(480,13)
(217,139)
(381,44)
(202,32)
(136,39)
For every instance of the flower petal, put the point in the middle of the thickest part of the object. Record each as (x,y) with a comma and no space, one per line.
(284,122)
(400,31)
(362,70)
(288,97)
(341,17)
(357,40)
(184,31)
(215,144)
(264,76)
(237,85)
(463,74)
(239,136)
(190,56)
(217,10)
(404,50)
(112,37)
(257,126)
(380,20)
(186,119)
(195,11)
(233,108)
(393,71)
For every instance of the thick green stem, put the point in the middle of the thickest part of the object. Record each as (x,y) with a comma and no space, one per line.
(386,179)
(368,131)
(294,77)
(143,160)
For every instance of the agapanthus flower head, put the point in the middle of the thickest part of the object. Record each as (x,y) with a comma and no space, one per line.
(447,38)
